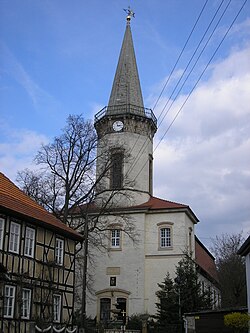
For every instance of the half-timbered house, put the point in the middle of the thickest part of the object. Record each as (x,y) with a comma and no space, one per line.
(37,265)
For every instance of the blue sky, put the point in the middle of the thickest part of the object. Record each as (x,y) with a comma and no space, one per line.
(59,57)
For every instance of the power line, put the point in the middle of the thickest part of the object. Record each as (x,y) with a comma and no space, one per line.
(172,71)
(198,80)
(209,25)
(192,30)
(194,53)
(202,73)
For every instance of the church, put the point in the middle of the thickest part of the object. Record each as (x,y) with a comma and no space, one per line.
(126,274)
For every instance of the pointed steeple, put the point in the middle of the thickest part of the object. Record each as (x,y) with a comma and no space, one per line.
(126,88)
(125,132)
(126,96)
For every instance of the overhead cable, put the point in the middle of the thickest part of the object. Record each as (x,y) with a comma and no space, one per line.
(197,81)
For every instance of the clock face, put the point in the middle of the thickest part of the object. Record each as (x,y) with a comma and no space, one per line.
(118,125)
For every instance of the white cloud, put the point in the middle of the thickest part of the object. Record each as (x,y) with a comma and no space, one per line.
(17,149)
(204,159)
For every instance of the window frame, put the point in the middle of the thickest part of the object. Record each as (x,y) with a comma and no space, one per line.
(28,300)
(2,226)
(10,297)
(116,237)
(27,242)
(167,239)
(59,252)
(57,308)
(13,234)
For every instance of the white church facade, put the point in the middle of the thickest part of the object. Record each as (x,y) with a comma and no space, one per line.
(127,272)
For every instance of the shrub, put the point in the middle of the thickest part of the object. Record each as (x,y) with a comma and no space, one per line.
(236,320)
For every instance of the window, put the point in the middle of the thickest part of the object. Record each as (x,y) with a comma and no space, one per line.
(57,308)
(150,178)
(1,232)
(121,305)
(112,281)
(26,297)
(29,242)
(105,306)
(14,237)
(59,251)
(115,238)
(116,170)
(165,237)
(9,301)
(190,240)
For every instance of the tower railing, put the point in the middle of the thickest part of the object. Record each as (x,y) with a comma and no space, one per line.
(126,109)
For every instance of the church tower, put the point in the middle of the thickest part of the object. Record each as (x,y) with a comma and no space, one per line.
(145,237)
(125,132)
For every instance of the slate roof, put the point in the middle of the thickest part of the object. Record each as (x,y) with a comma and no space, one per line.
(126,87)
(205,259)
(15,201)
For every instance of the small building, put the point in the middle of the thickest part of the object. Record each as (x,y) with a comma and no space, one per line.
(245,252)
(209,321)
(37,265)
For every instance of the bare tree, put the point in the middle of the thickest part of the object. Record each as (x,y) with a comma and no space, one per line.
(67,169)
(66,180)
(231,269)
(67,185)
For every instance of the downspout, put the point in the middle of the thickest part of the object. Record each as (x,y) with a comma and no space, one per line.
(185,324)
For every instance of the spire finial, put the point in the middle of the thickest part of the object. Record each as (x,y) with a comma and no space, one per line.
(130,14)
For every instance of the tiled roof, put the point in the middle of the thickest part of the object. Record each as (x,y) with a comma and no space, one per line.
(205,259)
(157,203)
(152,204)
(16,201)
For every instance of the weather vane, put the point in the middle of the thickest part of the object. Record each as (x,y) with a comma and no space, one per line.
(130,13)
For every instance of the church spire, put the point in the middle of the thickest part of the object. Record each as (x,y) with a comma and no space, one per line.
(126,96)
(126,89)
(125,132)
